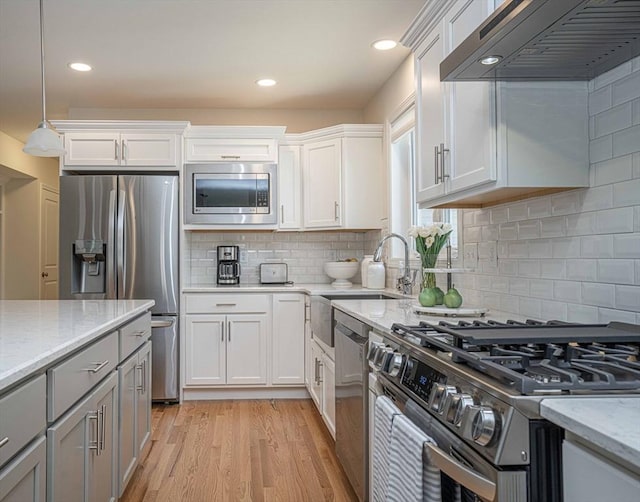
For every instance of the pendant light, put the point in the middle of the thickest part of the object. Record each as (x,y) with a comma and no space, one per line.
(44,141)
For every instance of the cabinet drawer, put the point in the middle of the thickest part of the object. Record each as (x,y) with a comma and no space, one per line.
(70,380)
(226,304)
(231,150)
(22,416)
(134,334)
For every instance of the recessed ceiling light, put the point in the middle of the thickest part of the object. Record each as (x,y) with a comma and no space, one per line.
(80,67)
(266,82)
(384,45)
(489,60)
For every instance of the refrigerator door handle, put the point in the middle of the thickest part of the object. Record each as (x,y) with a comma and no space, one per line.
(161,324)
(111,260)
(120,241)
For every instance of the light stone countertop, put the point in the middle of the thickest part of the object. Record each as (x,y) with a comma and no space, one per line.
(34,334)
(609,423)
(311,289)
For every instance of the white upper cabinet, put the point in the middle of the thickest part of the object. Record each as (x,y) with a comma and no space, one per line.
(143,145)
(323,184)
(232,143)
(481,143)
(290,188)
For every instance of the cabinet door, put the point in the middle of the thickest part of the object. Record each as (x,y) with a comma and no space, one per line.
(315,385)
(92,149)
(149,150)
(102,465)
(430,115)
(287,361)
(308,358)
(205,350)
(322,184)
(231,150)
(247,349)
(23,480)
(469,108)
(143,400)
(290,188)
(128,455)
(329,394)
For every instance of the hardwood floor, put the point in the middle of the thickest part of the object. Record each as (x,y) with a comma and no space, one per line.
(204,451)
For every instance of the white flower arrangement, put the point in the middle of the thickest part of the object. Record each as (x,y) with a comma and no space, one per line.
(429,241)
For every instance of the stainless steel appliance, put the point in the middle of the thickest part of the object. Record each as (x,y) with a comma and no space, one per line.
(228,265)
(548,40)
(352,374)
(475,388)
(274,273)
(322,315)
(119,240)
(231,194)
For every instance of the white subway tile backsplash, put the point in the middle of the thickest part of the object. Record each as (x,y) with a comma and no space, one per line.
(482,217)
(553,311)
(627,194)
(565,203)
(490,233)
(582,270)
(613,170)
(637,280)
(581,224)
(508,231)
(613,120)
(582,313)
(539,207)
(566,248)
(636,164)
(616,271)
(472,234)
(636,112)
(552,269)
(600,100)
(519,286)
(487,250)
(601,149)
(529,268)
(626,245)
(628,298)
(499,214)
(597,198)
(613,221)
(626,89)
(518,211)
(613,75)
(541,288)
(608,315)
(468,217)
(600,295)
(553,227)
(507,267)
(626,141)
(530,307)
(636,219)
(518,249)
(567,290)
(529,229)
(540,248)
(596,246)
(508,303)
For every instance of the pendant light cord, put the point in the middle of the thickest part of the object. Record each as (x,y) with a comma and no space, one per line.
(44,107)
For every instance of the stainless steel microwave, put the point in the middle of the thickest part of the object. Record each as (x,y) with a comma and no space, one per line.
(231,194)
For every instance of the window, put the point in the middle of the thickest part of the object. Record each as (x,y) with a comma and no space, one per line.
(404,210)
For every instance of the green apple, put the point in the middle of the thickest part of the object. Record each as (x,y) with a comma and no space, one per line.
(452,299)
(427,297)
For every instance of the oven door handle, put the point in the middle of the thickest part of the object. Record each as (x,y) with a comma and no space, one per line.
(464,476)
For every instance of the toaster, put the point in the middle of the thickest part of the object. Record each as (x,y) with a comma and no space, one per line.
(273,273)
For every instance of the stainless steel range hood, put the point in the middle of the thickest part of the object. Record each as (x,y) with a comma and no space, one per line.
(549,40)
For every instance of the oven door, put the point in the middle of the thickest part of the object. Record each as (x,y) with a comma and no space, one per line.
(466,476)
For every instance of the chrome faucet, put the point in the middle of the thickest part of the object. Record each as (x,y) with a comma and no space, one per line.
(405,282)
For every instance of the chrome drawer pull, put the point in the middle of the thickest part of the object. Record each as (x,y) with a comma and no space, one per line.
(103,414)
(140,386)
(138,333)
(4,441)
(230,156)
(98,367)
(226,304)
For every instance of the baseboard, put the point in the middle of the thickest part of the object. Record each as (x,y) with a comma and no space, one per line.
(196,394)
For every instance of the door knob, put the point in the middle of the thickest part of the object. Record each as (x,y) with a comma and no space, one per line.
(45,274)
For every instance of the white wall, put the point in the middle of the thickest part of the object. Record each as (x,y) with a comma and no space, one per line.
(575,255)
(20,242)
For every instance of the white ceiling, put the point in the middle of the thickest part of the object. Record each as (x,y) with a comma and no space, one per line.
(196,54)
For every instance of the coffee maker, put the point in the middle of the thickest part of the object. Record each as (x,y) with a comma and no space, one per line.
(228,265)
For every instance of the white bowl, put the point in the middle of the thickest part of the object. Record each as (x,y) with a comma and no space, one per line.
(341,271)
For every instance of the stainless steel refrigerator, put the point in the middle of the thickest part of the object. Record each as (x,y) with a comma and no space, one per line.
(119,240)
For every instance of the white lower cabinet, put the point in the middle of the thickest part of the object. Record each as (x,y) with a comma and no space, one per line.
(134,424)
(23,479)
(323,384)
(226,349)
(82,447)
(287,335)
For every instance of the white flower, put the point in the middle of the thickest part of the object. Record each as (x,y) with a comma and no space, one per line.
(413,232)
(429,241)
(447,227)
(424,232)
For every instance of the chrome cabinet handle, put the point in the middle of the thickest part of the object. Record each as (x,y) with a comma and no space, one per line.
(320,365)
(138,333)
(229,156)
(315,371)
(336,206)
(464,476)
(102,413)
(4,441)
(116,152)
(94,445)
(436,152)
(442,150)
(144,376)
(225,304)
(140,387)
(229,331)
(282,213)
(124,151)
(222,337)
(98,367)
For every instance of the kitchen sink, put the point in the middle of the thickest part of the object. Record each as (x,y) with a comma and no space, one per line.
(360,296)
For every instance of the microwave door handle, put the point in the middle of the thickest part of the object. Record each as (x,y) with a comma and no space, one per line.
(461,474)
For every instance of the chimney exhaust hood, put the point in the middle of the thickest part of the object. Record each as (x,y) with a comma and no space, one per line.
(548,40)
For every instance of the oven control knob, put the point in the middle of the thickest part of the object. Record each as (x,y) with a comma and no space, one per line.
(483,424)
(439,395)
(378,356)
(455,407)
(396,364)
(373,348)
(387,357)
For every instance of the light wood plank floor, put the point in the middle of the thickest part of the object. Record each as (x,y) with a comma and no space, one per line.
(204,451)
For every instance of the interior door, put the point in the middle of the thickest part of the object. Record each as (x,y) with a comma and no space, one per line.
(49,226)
(147,252)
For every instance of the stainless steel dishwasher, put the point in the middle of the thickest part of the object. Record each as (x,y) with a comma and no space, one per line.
(352,397)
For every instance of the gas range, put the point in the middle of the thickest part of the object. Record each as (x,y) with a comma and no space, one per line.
(484,380)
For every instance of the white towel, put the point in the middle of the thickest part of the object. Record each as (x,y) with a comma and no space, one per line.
(385,411)
(409,477)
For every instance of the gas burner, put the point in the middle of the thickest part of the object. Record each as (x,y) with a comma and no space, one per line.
(534,356)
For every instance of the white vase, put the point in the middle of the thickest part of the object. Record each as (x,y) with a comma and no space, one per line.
(376,275)
(364,269)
